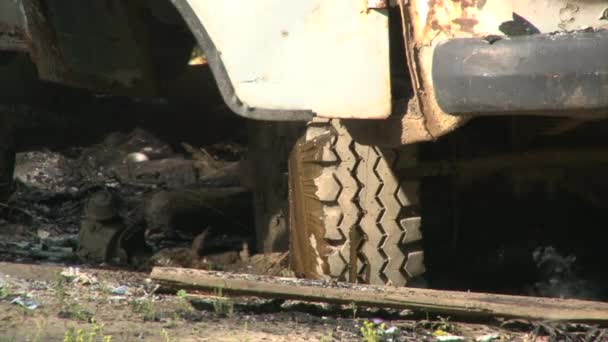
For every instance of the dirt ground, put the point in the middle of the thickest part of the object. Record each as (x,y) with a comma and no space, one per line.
(93,301)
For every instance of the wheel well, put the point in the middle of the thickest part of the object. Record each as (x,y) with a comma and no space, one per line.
(132,48)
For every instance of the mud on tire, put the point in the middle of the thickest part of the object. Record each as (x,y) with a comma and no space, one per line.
(351,218)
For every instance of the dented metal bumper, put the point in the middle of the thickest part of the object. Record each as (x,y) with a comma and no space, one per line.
(545,74)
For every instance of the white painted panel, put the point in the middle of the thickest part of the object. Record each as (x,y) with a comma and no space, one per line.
(328,56)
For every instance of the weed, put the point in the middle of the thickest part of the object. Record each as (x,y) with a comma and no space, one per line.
(165,334)
(105,288)
(371,333)
(443,325)
(171,325)
(59,287)
(222,306)
(39,330)
(80,335)
(354,308)
(73,310)
(246,332)
(286,273)
(97,330)
(182,296)
(146,308)
(4,290)
(328,338)
(73,335)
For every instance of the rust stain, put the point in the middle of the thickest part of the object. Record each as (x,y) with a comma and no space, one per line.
(377,4)
(466,24)
(423,120)
(452,17)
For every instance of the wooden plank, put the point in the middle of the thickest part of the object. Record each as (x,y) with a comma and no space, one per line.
(464,304)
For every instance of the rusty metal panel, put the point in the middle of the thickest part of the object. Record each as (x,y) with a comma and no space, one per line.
(59,47)
(330,57)
(477,18)
(427,23)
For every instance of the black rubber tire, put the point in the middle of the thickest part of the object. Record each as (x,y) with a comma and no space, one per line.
(351,218)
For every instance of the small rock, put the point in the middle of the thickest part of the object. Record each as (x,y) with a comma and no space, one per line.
(43,234)
(377,320)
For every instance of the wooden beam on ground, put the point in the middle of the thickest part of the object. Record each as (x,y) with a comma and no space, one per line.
(463,304)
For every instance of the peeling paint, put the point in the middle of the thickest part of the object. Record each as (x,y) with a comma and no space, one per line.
(479,18)
(567,15)
(427,23)
(320,262)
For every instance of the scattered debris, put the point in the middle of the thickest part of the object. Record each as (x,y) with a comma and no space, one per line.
(73,275)
(121,290)
(26,302)
(450,338)
(488,338)
(46,170)
(100,229)
(441,335)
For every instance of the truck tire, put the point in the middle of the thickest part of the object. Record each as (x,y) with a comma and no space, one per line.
(351,219)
